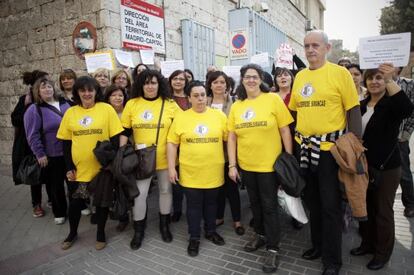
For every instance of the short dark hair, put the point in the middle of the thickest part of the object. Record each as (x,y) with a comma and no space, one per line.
(212,77)
(88,83)
(174,74)
(112,88)
(356,66)
(193,84)
(145,77)
(279,71)
(241,91)
(68,73)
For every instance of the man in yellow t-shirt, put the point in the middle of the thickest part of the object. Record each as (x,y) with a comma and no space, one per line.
(326,102)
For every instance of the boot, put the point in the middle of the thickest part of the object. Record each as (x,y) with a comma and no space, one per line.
(164,228)
(139,229)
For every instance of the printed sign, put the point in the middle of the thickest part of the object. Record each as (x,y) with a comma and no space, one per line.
(284,57)
(168,67)
(84,39)
(98,60)
(390,48)
(239,44)
(142,26)
(261,59)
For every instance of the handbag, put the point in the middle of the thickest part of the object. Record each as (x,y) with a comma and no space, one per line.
(375,174)
(288,174)
(147,157)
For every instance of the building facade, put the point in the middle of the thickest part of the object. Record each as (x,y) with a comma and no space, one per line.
(37,34)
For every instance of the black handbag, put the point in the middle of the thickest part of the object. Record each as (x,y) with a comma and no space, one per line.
(287,172)
(147,157)
(29,171)
(375,175)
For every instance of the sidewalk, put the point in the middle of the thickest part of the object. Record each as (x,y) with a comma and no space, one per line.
(32,245)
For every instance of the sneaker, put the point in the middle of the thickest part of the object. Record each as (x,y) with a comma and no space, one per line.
(86,212)
(38,211)
(59,221)
(271,261)
(255,243)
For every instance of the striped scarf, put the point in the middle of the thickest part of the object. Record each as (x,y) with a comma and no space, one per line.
(310,147)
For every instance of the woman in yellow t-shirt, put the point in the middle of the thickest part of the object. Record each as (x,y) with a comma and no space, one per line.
(258,123)
(140,118)
(82,126)
(200,133)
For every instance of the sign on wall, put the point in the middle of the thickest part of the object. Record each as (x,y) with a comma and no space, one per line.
(84,39)
(142,26)
(239,44)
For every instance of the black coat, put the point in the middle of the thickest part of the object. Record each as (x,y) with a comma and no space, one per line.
(381,132)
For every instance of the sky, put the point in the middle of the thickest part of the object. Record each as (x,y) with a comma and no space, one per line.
(351,19)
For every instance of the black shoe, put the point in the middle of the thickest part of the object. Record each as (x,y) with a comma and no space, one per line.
(121,226)
(239,230)
(271,261)
(176,217)
(165,229)
(330,271)
(192,248)
(215,238)
(255,243)
(312,254)
(296,224)
(139,229)
(409,212)
(359,251)
(375,264)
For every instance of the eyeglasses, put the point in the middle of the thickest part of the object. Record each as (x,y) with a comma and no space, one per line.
(178,79)
(252,77)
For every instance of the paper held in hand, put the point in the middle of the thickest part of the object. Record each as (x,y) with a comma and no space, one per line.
(390,48)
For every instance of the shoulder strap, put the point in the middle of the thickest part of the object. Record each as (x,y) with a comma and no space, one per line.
(41,119)
(159,121)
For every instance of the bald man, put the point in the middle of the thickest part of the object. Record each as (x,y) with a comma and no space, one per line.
(326,102)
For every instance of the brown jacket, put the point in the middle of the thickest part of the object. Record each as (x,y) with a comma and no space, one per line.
(353,172)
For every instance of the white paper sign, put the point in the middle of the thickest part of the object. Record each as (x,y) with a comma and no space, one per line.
(233,72)
(168,67)
(142,26)
(261,59)
(147,56)
(99,60)
(284,56)
(124,58)
(392,48)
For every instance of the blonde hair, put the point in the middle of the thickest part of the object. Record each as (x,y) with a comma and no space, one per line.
(36,90)
(101,71)
(118,73)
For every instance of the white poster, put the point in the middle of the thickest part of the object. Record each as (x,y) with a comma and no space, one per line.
(391,48)
(98,60)
(142,26)
(124,58)
(147,56)
(284,57)
(261,59)
(168,67)
(233,72)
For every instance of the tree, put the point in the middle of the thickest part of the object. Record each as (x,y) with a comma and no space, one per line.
(398,17)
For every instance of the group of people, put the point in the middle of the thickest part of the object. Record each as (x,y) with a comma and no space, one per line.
(209,138)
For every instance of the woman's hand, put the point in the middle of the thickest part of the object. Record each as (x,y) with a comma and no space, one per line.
(234,174)
(388,71)
(173,176)
(71,175)
(42,161)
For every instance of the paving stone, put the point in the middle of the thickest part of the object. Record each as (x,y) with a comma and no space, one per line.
(232,259)
(220,270)
(215,261)
(236,267)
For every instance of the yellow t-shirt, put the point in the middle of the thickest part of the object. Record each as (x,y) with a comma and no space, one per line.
(321,98)
(142,116)
(84,127)
(200,136)
(256,123)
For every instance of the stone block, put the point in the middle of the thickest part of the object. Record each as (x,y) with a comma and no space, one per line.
(112,38)
(4,105)
(12,72)
(4,8)
(102,19)
(67,61)
(64,46)
(6,133)
(115,20)
(16,41)
(17,6)
(16,56)
(5,121)
(58,7)
(72,9)
(36,35)
(48,13)
(91,6)
(35,52)
(92,18)
(36,17)
(6,88)
(53,31)
(110,5)
(48,49)
(68,26)
(5,147)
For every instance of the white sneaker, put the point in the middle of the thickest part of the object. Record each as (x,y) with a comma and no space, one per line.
(59,221)
(86,212)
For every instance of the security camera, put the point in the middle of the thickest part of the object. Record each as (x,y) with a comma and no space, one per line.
(261,7)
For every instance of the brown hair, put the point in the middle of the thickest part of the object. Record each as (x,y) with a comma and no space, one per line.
(36,89)
(118,73)
(67,73)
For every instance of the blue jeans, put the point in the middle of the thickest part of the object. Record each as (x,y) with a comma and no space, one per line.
(406,182)
(201,203)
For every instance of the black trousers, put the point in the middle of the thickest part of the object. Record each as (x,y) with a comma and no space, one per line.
(229,190)
(262,190)
(378,233)
(201,203)
(407,185)
(178,195)
(323,198)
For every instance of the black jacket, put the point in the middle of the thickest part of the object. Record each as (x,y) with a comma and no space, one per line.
(381,132)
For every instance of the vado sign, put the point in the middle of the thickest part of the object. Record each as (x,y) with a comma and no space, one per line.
(239,44)
(142,26)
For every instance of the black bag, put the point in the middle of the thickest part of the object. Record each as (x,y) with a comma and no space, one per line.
(375,175)
(29,171)
(287,171)
(147,157)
